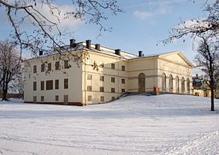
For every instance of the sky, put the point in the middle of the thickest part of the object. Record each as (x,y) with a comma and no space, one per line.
(142,25)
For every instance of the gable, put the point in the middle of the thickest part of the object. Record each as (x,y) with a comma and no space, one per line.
(176,57)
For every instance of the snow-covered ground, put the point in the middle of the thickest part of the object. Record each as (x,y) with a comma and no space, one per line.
(165,124)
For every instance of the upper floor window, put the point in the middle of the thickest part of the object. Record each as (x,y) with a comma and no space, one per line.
(42,85)
(101,89)
(66,65)
(34,85)
(42,67)
(56,84)
(49,66)
(112,90)
(123,68)
(34,69)
(89,77)
(49,85)
(123,81)
(57,65)
(113,66)
(89,88)
(112,79)
(65,83)
(101,78)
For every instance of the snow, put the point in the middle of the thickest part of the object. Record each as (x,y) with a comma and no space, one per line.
(164,124)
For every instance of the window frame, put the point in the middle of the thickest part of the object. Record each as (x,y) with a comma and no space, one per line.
(49,85)
(66,83)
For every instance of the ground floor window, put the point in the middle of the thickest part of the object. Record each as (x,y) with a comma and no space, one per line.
(57,98)
(42,98)
(89,98)
(65,99)
(34,98)
(102,98)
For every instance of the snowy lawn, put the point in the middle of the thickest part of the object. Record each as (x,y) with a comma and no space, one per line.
(165,124)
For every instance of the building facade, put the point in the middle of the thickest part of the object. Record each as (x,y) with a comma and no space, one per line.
(217,91)
(103,75)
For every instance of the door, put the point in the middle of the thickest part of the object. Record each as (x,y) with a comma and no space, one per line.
(141,83)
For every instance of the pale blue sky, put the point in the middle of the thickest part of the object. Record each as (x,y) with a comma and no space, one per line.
(142,25)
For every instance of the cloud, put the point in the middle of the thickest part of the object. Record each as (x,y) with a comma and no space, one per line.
(142,14)
(156,8)
(60,14)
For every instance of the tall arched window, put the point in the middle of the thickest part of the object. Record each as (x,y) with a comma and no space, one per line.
(177,84)
(164,84)
(188,85)
(183,85)
(171,83)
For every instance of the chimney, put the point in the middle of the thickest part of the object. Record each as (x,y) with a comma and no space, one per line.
(40,52)
(88,44)
(72,43)
(117,52)
(140,53)
(97,47)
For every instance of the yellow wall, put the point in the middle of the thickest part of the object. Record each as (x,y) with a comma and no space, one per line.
(73,74)
(153,67)
(105,71)
(148,66)
(168,66)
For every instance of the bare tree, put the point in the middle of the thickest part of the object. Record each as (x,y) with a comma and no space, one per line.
(44,31)
(10,66)
(208,58)
(206,29)
(199,27)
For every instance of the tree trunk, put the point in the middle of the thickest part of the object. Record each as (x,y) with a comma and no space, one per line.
(4,95)
(212,99)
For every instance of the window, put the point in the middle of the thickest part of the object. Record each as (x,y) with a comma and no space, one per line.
(112,66)
(49,85)
(42,85)
(66,64)
(101,78)
(34,85)
(65,83)
(123,81)
(42,67)
(89,77)
(49,66)
(102,98)
(34,69)
(34,98)
(89,88)
(57,65)
(57,98)
(56,84)
(112,79)
(123,68)
(101,89)
(65,99)
(89,98)
(112,90)
(123,90)
(42,98)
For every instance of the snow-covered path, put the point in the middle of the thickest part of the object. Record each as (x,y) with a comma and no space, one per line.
(165,124)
